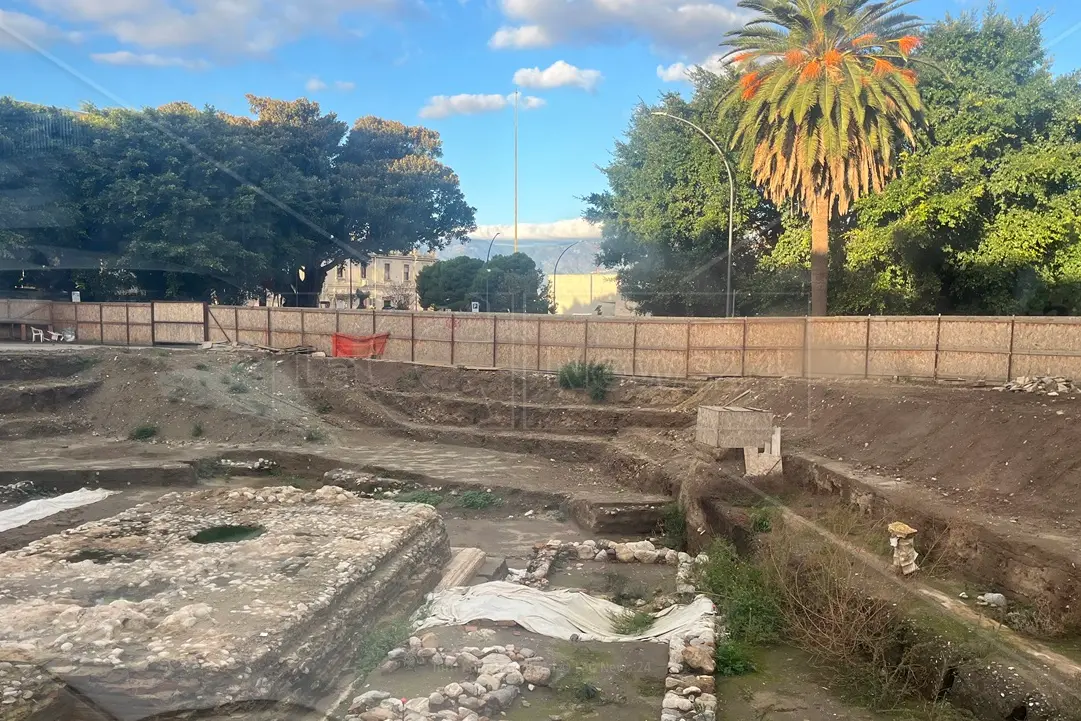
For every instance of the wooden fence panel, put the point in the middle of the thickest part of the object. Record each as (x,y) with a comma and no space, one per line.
(612,342)
(1047,347)
(561,340)
(836,347)
(399,325)
(180,323)
(774,347)
(902,346)
(716,348)
(516,341)
(473,340)
(974,348)
(432,338)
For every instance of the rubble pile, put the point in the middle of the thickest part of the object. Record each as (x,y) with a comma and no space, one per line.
(1044,385)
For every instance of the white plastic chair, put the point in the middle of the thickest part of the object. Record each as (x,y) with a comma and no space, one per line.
(37,334)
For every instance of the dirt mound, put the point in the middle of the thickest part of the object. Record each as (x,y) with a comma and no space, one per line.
(1009,455)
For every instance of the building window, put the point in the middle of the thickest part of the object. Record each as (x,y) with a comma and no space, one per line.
(341,272)
(386,272)
(405,273)
(363,271)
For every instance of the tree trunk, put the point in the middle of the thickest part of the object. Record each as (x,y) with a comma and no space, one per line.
(820,255)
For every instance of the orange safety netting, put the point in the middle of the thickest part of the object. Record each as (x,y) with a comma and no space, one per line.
(350,346)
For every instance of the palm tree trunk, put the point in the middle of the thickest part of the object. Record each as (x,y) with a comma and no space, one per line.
(820,255)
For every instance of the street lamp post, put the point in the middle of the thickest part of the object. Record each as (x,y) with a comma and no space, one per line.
(488,273)
(729,301)
(555,270)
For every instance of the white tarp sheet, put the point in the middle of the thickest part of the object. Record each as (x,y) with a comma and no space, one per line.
(557,614)
(44,507)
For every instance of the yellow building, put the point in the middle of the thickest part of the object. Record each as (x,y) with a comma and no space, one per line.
(588,294)
(390,281)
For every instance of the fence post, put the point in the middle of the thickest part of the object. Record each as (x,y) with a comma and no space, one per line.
(236,325)
(743,351)
(153,331)
(634,350)
(867,350)
(452,320)
(302,327)
(337,321)
(539,321)
(206,322)
(585,343)
(412,337)
(687,353)
(938,341)
(268,335)
(1009,356)
(127,322)
(495,336)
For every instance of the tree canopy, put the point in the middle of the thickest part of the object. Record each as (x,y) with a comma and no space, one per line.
(177,202)
(981,218)
(510,283)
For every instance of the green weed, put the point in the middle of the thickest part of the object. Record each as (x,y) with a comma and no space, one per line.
(202,367)
(743,594)
(632,623)
(379,643)
(237,387)
(597,378)
(673,527)
(479,500)
(143,433)
(430,498)
(733,659)
(197,430)
(314,435)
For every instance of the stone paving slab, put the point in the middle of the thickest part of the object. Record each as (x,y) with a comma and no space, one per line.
(143,619)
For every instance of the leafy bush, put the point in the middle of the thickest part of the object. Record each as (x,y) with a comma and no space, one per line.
(732,659)
(762,519)
(673,526)
(237,387)
(430,498)
(743,594)
(315,435)
(479,500)
(632,623)
(595,377)
(143,433)
(197,430)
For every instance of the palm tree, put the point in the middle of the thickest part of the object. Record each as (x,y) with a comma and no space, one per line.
(825,97)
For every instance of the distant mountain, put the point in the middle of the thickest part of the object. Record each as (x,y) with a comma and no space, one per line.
(579,259)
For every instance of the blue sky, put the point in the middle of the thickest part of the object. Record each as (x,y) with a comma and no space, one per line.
(583,64)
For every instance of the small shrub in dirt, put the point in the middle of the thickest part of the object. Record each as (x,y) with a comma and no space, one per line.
(202,367)
(143,433)
(595,377)
(733,659)
(379,643)
(430,498)
(673,527)
(323,407)
(762,519)
(314,435)
(237,387)
(479,500)
(632,623)
(197,430)
(743,594)
(206,467)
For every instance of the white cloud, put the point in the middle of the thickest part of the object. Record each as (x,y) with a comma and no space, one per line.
(314,85)
(345,85)
(527,36)
(678,72)
(560,74)
(15,27)
(444,106)
(228,27)
(573,229)
(694,26)
(124,57)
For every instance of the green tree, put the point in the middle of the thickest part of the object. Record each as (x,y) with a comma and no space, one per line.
(665,212)
(826,98)
(985,218)
(511,283)
(447,284)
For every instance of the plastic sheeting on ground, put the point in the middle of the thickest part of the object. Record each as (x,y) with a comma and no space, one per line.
(557,614)
(44,507)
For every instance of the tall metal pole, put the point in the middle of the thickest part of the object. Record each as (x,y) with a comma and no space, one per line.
(555,272)
(729,303)
(488,273)
(515,171)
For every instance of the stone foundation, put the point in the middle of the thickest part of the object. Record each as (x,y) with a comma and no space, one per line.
(141,620)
